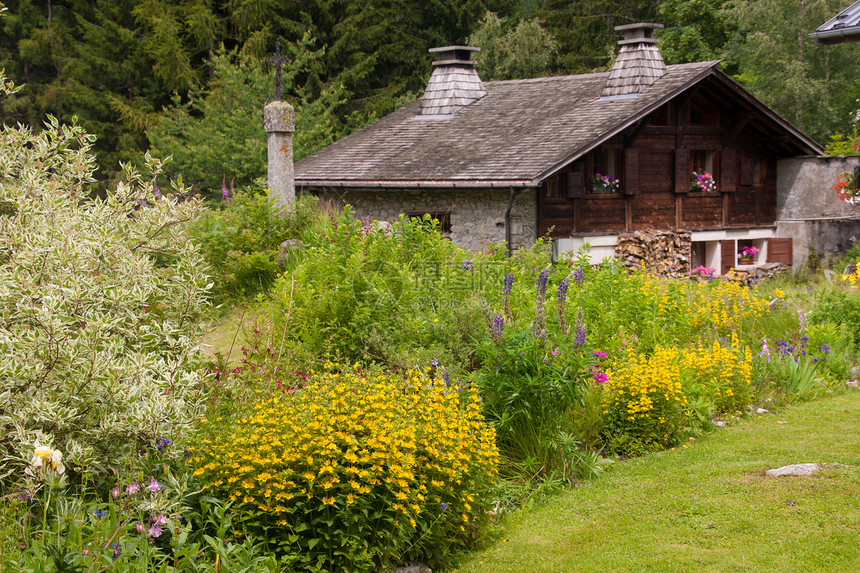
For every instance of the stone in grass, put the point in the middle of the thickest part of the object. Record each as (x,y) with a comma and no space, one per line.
(414,569)
(794,470)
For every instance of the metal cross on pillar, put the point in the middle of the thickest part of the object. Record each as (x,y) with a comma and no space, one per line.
(280,123)
(277,60)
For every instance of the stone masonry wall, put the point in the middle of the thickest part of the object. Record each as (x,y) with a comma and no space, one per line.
(809,211)
(477,215)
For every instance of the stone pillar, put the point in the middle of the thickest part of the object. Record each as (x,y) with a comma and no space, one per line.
(280,123)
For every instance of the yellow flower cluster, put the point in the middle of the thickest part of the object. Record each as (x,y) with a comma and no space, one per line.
(723,304)
(853,279)
(651,397)
(645,385)
(726,305)
(720,374)
(383,448)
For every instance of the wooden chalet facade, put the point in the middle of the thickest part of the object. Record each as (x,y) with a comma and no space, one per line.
(580,158)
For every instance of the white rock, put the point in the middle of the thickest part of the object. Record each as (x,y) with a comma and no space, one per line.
(761,411)
(794,470)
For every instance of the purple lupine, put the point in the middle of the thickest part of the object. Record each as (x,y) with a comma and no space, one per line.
(506,295)
(580,329)
(542,280)
(498,326)
(579,276)
(561,297)
(468,265)
(509,284)
(225,193)
(802,318)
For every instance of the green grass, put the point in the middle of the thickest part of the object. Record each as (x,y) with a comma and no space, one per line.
(706,507)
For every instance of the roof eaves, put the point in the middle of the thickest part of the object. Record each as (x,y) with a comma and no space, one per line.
(712,68)
(812,146)
(435,184)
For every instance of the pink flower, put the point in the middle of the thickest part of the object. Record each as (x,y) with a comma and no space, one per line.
(155,531)
(555,351)
(600,377)
(153,486)
(133,487)
(140,527)
(159,519)
(599,353)
(116,492)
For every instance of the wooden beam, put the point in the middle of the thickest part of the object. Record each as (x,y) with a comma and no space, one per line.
(740,123)
(637,129)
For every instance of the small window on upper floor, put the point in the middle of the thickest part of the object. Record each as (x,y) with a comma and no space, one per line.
(605,172)
(702,176)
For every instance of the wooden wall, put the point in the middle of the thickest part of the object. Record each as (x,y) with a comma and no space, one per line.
(656,191)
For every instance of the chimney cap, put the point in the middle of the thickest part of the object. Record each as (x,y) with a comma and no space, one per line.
(639,33)
(638,25)
(452,48)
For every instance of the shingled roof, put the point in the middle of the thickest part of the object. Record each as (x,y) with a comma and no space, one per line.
(520,133)
(844,27)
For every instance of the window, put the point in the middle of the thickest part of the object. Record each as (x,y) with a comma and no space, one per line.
(702,176)
(443,217)
(605,172)
(552,190)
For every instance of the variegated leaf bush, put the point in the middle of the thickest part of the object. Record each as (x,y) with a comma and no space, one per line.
(100,300)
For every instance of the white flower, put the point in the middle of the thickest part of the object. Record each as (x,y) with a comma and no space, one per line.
(46,455)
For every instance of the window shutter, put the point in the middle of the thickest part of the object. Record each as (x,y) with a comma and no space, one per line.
(682,171)
(728,170)
(747,166)
(575,184)
(779,251)
(631,171)
(727,256)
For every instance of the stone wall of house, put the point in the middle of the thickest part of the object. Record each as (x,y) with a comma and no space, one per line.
(477,215)
(810,212)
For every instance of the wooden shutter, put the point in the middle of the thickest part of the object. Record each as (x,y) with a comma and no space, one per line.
(631,171)
(727,256)
(682,171)
(779,251)
(747,166)
(575,184)
(728,170)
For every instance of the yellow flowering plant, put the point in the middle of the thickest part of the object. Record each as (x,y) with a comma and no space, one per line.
(357,471)
(643,401)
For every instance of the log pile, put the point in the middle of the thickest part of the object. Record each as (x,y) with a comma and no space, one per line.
(663,253)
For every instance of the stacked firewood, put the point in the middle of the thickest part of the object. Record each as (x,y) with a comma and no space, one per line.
(663,253)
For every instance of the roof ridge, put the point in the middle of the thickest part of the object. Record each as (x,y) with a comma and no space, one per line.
(705,64)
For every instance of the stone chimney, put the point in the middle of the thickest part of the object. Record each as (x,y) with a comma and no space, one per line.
(639,63)
(454,83)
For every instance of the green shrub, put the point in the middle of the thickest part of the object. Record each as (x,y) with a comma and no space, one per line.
(242,241)
(100,303)
(357,471)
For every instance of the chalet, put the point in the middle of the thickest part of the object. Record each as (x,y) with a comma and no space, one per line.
(581,158)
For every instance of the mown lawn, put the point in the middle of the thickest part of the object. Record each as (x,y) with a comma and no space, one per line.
(708,506)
